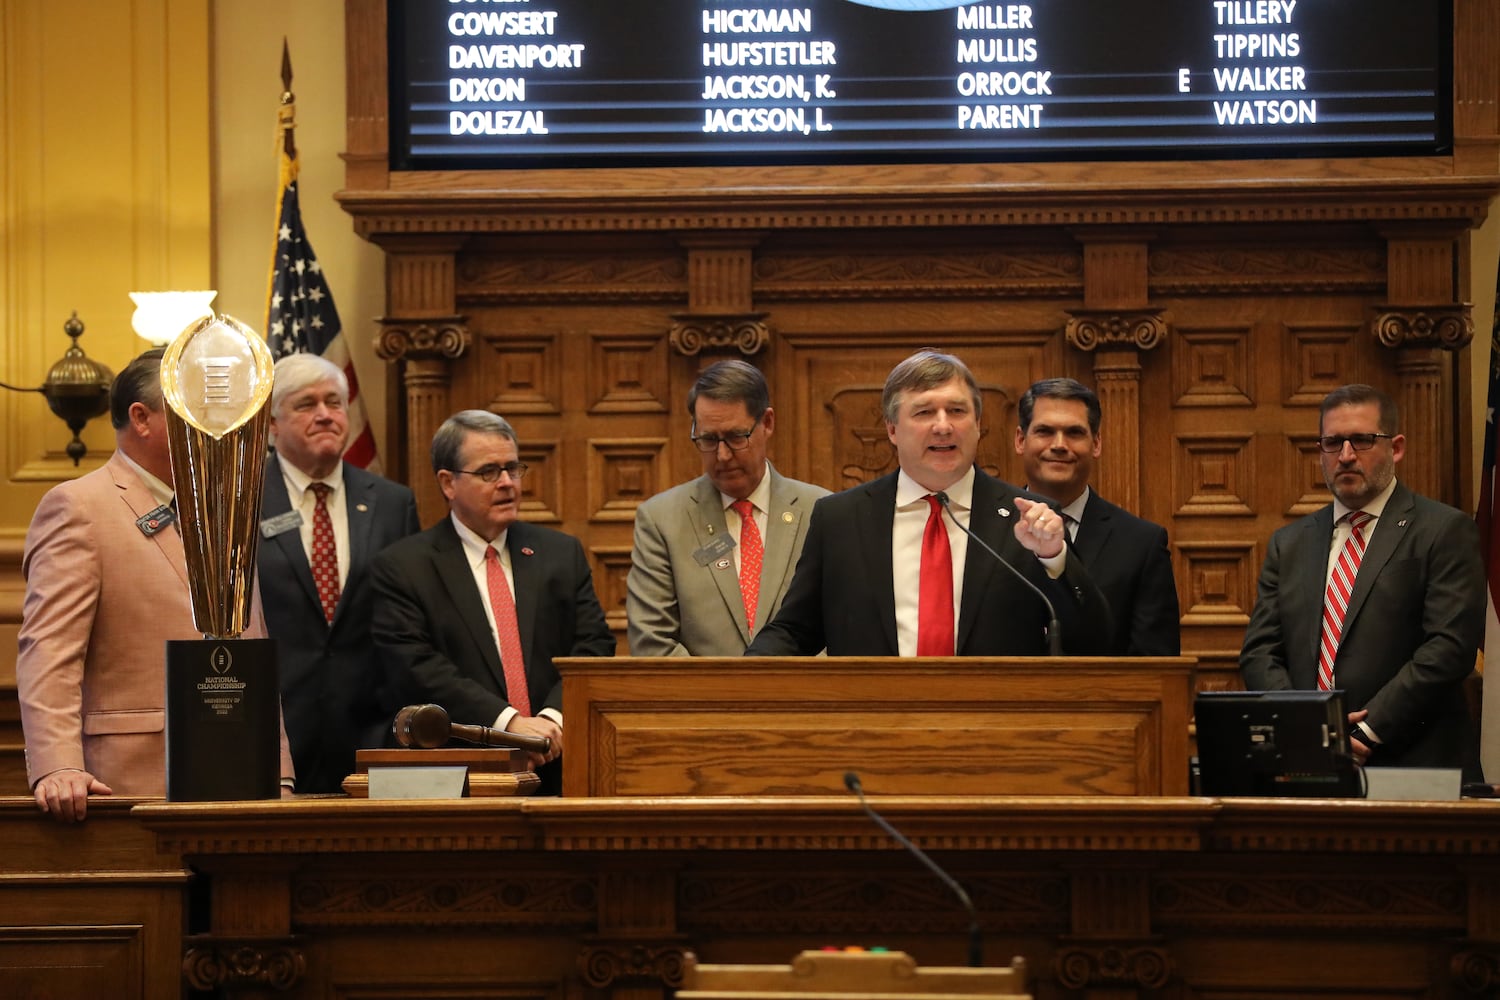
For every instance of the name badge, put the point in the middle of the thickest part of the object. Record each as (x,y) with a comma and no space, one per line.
(714,550)
(273,526)
(155,520)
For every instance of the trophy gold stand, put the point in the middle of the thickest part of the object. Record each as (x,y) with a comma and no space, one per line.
(223,693)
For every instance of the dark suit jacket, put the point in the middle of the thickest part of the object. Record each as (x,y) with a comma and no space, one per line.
(1414,624)
(330,684)
(435,643)
(842,595)
(1128,559)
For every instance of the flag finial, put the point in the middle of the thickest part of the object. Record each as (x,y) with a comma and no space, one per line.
(286,73)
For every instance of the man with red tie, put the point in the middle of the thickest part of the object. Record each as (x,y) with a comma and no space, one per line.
(470,613)
(322,521)
(713,557)
(888,569)
(1381,594)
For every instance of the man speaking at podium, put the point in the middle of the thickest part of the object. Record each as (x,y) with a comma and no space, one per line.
(887,569)
(470,613)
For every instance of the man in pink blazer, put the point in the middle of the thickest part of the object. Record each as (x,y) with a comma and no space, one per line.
(106,586)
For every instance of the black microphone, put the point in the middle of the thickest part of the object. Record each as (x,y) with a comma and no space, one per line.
(1054,627)
(976,947)
(427,727)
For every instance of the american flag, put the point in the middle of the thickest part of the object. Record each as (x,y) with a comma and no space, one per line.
(1488,517)
(300,315)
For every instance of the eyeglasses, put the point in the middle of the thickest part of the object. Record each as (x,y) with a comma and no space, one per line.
(492,473)
(1332,444)
(736,440)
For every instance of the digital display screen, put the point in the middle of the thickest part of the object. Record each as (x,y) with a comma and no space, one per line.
(609,83)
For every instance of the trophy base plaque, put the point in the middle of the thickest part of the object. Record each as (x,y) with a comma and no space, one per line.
(223,720)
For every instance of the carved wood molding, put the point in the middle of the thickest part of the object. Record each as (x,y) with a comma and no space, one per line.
(243,964)
(1142,329)
(1112,964)
(609,962)
(532,898)
(669,209)
(435,337)
(1474,969)
(1449,327)
(746,332)
(1352,267)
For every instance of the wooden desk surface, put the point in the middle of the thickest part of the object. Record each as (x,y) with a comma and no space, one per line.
(1104,897)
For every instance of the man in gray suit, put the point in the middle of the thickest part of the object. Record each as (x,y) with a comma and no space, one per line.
(330,684)
(1381,594)
(692,588)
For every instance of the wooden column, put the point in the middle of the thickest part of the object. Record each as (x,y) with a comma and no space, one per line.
(1421,319)
(1117,323)
(637,954)
(1111,953)
(720,298)
(424,334)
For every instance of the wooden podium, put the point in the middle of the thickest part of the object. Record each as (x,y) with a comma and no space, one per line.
(849,975)
(793,726)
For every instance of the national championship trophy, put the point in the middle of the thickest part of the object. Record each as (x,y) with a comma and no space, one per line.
(223,693)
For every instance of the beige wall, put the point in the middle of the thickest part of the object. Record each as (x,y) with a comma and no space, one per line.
(247,36)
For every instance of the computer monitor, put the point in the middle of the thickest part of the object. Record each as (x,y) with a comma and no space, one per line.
(1275,743)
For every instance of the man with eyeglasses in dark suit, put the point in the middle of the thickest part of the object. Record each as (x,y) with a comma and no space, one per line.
(1381,594)
(470,613)
(713,557)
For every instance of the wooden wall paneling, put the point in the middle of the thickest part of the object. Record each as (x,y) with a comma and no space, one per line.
(89,910)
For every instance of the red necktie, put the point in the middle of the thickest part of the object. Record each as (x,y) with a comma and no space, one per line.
(935,603)
(325,553)
(508,632)
(752,553)
(1336,600)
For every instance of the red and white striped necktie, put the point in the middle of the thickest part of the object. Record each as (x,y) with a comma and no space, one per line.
(1336,599)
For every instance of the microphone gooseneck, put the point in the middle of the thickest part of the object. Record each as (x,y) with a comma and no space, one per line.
(426,727)
(976,941)
(1054,627)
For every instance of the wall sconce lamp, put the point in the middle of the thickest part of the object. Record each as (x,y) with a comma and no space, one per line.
(160,316)
(77,388)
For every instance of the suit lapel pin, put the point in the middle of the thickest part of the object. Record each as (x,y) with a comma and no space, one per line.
(710,528)
(1401,523)
(526,551)
(1002,511)
(722,564)
(786,516)
(361,508)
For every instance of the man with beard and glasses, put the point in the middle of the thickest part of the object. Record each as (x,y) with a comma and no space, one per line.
(1381,595)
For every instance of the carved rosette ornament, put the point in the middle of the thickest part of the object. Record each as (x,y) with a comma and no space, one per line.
(1448,327)
(603,964)
(745,332)
(1089,330)
(1113,967)
(1475,971)
(443,337)
(231,964)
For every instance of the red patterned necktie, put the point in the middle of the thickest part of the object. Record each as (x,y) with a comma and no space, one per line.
(509,633)
(1336,600)
(935,600)
(752,554)
(325,553)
